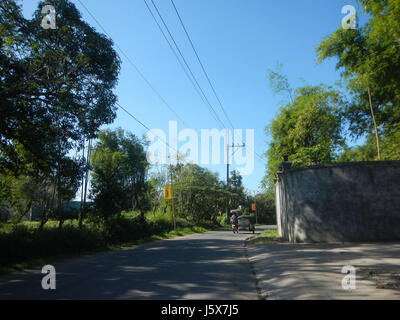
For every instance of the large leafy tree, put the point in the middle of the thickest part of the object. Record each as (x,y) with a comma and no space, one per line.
(199,193)
(119,173)
(307,131)
(236,188)
(55,92)
(369,58)
(55,84)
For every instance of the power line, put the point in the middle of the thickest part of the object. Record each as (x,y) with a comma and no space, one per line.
(147,128)
(135,66)
(201,64)
(195,83)
(205,73)
(170,46)
(146,80)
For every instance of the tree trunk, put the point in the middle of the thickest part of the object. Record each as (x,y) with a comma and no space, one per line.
(83,183)
(60,223)
(28,207)
(375,127)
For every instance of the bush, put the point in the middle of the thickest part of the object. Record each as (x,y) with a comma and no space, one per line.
(221,220)
(25,242)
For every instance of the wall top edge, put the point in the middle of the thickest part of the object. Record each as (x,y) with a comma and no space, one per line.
(385,163)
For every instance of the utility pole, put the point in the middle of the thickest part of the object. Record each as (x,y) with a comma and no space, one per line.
(255,206)
(172,195)
(227,172)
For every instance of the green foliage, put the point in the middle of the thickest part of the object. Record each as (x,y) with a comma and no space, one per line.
(264,237)
(200,197)
(369,58)
(308,131)
(119,173)
(367,151)
(55,92)
(26,241)
(236,190)
(279,83)
(198,193)
(265,207)
(23,242)
(56,85)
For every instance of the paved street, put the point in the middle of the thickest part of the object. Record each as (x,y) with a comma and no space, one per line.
(210,265)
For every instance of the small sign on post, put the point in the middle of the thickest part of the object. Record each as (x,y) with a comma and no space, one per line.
(167,192)
(253,207)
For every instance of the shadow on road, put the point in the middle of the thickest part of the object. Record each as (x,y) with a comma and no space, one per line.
(314,271)
(202,266)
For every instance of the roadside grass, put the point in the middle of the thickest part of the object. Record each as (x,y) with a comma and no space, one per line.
(24,246)
(264,237)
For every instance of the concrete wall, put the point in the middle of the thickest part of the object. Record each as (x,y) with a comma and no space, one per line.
(357,201)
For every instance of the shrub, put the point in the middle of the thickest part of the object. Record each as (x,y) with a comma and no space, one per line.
(25,241)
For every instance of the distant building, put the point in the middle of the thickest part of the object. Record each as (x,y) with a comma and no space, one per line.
(70,208)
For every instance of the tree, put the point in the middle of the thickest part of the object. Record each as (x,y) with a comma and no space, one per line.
(369,58)
(119,173)
(279,83)
(55,85)
(202,194)
(55,92)
(308,131)
(237,190)
(265,207)
(156,183)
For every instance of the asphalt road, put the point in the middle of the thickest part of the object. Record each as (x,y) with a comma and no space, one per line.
(210,265)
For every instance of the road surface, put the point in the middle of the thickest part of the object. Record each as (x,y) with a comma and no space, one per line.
(211,265)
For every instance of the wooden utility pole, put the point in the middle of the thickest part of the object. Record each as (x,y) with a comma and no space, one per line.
(255,206)
(227,182)
(172,197)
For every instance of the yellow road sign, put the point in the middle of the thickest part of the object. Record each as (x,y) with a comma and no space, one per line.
(167,192)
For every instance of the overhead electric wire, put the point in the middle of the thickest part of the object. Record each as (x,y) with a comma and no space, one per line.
(196,85)
(173,51)
(205,73)
(201,64)
(135,66)
(149,83)
(146,127)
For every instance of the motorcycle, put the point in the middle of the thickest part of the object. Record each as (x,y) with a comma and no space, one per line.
(235,228)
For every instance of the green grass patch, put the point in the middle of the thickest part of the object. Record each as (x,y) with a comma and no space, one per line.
(265,236)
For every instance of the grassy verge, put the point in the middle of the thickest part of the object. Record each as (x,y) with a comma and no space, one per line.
(24,246)
(60,257)
(263,237)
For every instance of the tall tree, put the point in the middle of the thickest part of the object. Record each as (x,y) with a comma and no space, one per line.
(55,84)
(237,190)
(369,58)
(308,131)
(119,173)
(55,92)
(202,194)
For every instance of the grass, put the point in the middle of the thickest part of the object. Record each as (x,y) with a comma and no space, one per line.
(60,257)
(266,236)
(24,246)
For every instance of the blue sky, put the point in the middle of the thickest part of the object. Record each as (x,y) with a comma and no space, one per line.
(237,41)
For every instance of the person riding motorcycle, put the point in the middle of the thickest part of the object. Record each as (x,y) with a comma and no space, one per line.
(235,222)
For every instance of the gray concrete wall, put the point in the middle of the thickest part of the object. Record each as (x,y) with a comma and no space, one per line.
(357,201)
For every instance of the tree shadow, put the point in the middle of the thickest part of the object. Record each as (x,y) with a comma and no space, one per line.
(182,268)
(314,271)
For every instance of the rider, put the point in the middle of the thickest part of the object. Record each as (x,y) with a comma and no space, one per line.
(234,220)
